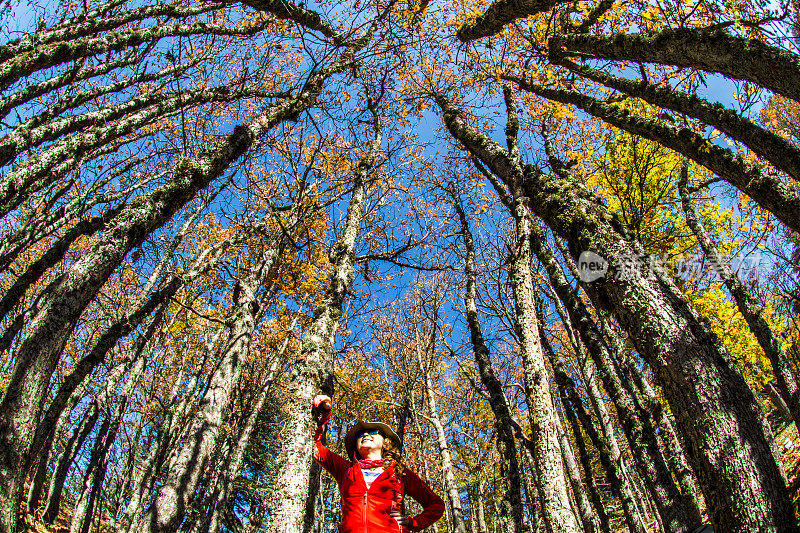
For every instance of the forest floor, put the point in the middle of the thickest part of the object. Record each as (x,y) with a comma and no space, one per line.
(787,440)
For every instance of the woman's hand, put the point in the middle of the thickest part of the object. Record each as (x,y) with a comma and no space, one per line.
(323,402)
(321,411)
(402,521)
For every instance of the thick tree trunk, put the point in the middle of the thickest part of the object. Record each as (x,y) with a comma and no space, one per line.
(41,348)
(712,50)
(729,444)
(635,422)
(549,466)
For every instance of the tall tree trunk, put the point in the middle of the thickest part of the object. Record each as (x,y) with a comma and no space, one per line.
(98,462)
(585,460)
(635,421)
(100,404)
(730,446)
(547,456)
(480,512)
(168,432)
(637,385)
(144,304)
(313,368)
(235,460)
(511,505)
(37,482)
(451,488)
(588,518)
(531,485)
(606,443)
(72,447)
(751,309)
(186,469)
(40,350)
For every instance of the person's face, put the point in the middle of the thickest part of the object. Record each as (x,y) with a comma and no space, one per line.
(368,441)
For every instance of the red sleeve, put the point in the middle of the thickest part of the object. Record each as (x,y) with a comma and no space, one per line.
(432,505)
(334,463)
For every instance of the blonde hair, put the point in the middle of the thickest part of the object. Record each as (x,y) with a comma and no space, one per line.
(391,455)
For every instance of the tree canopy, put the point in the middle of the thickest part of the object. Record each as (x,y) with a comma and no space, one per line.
(555,245)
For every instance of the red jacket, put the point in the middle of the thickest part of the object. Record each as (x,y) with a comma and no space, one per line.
(367,510)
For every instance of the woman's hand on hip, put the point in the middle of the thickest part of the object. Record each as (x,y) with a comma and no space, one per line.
(403,521)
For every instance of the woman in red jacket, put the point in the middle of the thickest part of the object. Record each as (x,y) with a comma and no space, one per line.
(374,483)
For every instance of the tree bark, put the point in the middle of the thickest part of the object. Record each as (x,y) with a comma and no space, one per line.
(605,441)
(313,368)
(730,446)
(784,155)
(511,505)
(501,12)
(708,49)
(635,381)
(583,456)
(751,310)
(40,349)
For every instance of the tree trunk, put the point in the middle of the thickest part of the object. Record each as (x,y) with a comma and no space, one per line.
(751,310)
(606,443)
(710,49)
(71,449)
(98,462)
(313,368)
(37,483)
(451,488)
(480,511)
(185,471)
(511,506)
(587,516)
(636,382)
(585,460)
(547,456)
(635,422)
(41,348)
(730,446)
